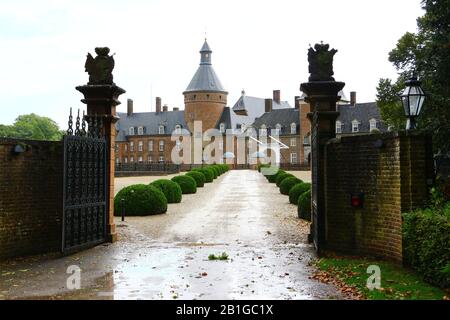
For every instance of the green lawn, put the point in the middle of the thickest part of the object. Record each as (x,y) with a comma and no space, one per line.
(397,283)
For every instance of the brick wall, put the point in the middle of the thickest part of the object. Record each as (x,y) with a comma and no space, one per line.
(30,197)
(392,170)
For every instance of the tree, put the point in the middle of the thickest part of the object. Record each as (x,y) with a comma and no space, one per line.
(32,126)
(427,55)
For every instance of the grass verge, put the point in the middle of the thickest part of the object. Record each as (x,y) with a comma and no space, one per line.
(397,283)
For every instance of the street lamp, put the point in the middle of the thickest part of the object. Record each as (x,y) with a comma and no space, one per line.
(412,99)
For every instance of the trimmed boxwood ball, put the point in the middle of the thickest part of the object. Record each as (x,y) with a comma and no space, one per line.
(214,171)
(198,176)
(209,175)
(171,190)
(297,191)
(140,200)
(304,206)
(288,184)
(273,178)
(281,177)
(187,184)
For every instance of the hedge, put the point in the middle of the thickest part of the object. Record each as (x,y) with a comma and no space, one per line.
(281,177)
(171,190)
(209,175)
(304,206)
(297,191)
(140,200)
(187,184)
(214,171)
(198,176)
(426,243)
(288,184)
(273,178)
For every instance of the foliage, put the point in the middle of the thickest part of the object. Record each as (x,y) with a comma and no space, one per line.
(427,54)
(297,191)
(214,171)
(171,190)
(304,206)
(223,256)
(33,127)
(140,200)
(288,184)
(397,283)
(281,177)
(209,175)
(260,165)
(426,243)
(187,184)
(199,178)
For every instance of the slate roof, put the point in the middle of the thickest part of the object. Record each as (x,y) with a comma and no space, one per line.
(255,107)
(284,117)
(205,79)
(150,121)
(363,112)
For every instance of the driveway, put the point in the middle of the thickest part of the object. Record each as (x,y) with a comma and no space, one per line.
(166,256)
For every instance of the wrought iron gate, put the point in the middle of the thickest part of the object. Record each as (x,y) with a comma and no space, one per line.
(84,194)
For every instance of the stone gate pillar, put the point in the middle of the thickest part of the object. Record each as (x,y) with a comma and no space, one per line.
(101,97)
(322,94)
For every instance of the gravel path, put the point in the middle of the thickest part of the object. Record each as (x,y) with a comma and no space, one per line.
(166,256)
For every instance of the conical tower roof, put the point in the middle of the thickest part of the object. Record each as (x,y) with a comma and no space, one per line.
(205,79)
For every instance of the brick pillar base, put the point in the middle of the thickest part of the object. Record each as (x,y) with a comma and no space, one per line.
(101,100)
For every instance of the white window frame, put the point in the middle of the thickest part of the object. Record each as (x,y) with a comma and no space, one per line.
(140,131)
(338,127)
(177,129)
(294,157)
(131,131)
(277,129)
(161,159)
(125,147)
(131,159)
(307,137)
(293,128)
(373,124)
(161,129)
(222,128)
(150,145)
(125,160)
(293,142)
(161,145)
(355,124)
(140,160)
(140,146)
(263,131)
(131,146)
(149,158)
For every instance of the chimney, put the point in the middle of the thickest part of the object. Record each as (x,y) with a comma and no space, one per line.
(276,96)
(158,104)
(176,109)
(165,108)
(353,98)
(268,105)
(297,103)
(129,107)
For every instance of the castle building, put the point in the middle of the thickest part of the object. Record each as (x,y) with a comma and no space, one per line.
(146,137)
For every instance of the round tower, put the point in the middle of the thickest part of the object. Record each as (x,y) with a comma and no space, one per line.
(205,98)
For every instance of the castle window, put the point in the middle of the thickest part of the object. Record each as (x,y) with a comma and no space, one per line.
(140,146)
(338,127)
(149,159)
(263,131)
(161,159)
(125,147)
(355,126)
(222,127)
(293,142)
(293,158)
(373,124)
(177,129)
(306,139)
(150,145)
(161,145)
(125,160)
(140,131)
(131,146)
(277,129)
(131,131)
(131,159)
(140,159)
(161,129)
(293,128)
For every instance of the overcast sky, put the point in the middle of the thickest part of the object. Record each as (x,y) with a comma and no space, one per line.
(257,46)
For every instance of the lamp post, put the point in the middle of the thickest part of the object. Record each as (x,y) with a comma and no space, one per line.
(412,98)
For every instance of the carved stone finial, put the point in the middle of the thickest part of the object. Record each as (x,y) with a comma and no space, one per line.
(321,62)
(100,69)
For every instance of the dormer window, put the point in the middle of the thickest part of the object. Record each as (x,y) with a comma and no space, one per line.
(306,139)
(177,129)
(131,131)
(293,128)
(373,124)
(222,128)
(355,126)
(338,127)
(263,131)
(277,129)
(161,129)
(140,131)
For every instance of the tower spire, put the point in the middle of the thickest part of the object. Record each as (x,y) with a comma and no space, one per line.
(205,54)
